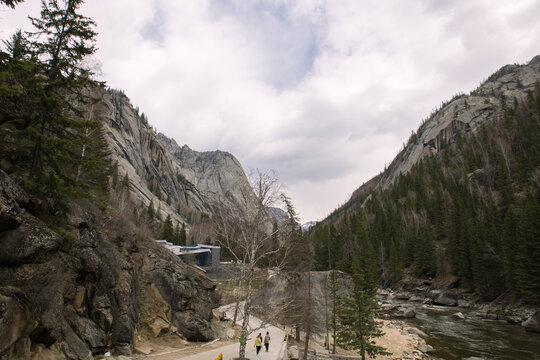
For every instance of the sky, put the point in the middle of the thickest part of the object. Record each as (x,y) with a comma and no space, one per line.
(323,92)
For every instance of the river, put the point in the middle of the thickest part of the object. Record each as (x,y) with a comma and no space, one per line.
(455,339)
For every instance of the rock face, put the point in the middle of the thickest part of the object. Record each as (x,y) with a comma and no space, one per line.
(464,113)
(79,294)
(178,180)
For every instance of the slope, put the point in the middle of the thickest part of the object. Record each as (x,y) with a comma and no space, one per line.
(461,200)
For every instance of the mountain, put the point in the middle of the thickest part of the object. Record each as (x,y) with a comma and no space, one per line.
(308,225)
(180,182)
(461,114)
(81,273)
(460,202)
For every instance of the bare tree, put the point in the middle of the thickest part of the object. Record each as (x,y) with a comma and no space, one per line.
(250,238)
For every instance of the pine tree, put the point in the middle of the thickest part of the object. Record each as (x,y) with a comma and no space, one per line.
(167,232)
(11,3)
(528,251)
(183,235)
(63,148)
(150,210)
(356,311)
(333,288)
(395,266)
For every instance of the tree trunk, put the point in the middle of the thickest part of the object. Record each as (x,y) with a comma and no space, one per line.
(308,319)
(236,310)
(245,322)
(327,342)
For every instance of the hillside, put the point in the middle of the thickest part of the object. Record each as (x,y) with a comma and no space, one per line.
(461,200)
(179,182)
(86,186)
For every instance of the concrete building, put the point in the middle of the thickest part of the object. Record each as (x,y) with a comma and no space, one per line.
(204,256)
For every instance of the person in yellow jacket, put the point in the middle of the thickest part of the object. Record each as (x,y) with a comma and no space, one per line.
(258,343)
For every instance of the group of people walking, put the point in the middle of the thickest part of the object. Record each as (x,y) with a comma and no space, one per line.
(259,342)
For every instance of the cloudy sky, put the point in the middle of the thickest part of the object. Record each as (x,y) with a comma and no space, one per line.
(324,92)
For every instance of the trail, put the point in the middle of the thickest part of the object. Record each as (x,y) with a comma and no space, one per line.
(231,351)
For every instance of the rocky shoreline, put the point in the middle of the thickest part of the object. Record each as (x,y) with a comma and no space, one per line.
(404,303)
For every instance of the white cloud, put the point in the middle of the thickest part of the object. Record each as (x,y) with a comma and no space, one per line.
(324,92)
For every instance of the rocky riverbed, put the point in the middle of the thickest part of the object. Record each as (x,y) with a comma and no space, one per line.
(457,326)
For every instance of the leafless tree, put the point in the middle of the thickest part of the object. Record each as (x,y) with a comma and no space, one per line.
(250,238)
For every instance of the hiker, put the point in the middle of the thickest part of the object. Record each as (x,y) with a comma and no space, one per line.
(267,341)
(258,343)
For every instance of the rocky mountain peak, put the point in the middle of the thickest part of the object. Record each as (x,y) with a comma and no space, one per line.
(178,180)
(462,113)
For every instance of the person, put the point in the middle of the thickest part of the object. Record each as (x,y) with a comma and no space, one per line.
(258,343)
(267,341)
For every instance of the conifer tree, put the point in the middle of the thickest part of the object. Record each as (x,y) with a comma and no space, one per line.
(394,263)
(62,149)
(150,210)
(11,3)
(333,288)
(167,232)
(356,311)
(183,235)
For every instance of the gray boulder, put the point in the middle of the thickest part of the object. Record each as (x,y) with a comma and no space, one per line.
(533,323)
(458,316)
(404,313)
(445,300)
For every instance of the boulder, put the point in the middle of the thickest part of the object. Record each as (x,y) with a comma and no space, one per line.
(533,323)
(464,303)
(416,331)
(404,313)
(416,298)
(402,296)
(445,300)
(458,316)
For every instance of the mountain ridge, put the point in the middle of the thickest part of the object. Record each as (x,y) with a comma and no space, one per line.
(177,180)
(508,83)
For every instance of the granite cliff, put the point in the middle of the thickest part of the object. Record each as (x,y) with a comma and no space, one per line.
(463,113)
(180,181)
(95,289)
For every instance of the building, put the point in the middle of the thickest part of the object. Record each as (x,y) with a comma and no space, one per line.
(204,256)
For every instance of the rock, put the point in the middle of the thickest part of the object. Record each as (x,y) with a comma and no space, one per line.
(416,298)
(459,316)
(404,313)
(460,115)
(201,181)
(464,303)
(402,296)
(416,331)
(427,301)
(444,300)
(30,242)
(77,295)
(388,308)
(533,323)
(16,320)
(513,319)
(293,352)
(435,293)
(492,316)
(422,346)
(159,327)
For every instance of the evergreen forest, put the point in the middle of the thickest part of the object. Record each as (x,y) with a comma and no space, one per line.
(469,213)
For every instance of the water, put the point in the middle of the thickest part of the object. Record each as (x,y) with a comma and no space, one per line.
(455,339)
